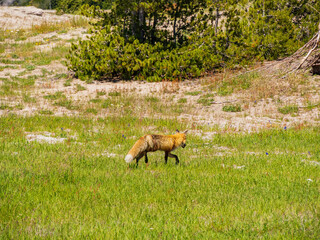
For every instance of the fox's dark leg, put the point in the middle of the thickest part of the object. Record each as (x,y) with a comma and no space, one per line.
(174,156)
(166,157)
(139,157)
(146,158)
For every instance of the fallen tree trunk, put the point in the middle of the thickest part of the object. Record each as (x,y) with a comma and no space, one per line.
(315,46)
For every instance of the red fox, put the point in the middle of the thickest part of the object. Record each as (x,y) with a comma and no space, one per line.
(152,143)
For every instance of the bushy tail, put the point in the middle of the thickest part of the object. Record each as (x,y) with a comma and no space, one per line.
(129,158)
(138,148)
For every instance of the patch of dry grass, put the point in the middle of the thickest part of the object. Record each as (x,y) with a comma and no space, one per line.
(12,34)
(47,27)
(270,86)
(169,87)
(44,27)
(256,85)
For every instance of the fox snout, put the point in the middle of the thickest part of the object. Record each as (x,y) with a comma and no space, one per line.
(183,145)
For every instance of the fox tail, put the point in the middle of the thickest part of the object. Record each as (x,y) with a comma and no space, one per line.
(138,148)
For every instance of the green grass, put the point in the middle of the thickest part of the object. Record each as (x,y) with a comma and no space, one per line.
(67,83)
(289,109)
(91,110)
(29,67)
(67,103)
(9,61)
(114,94)
(79,88)
(82,188)
(208,95)
(45,58)
(28,99)
(95,100)
(14,85)
(22,50)
(232,108)
(152,99)
(22,73)
(311,106)
(2,48)
(19,106)
(182,100)
(55,96)
(62,31)
(4,107)
(7,66)
(101,93)
(61,75)
(61,100)
(195,93)
(11,34)
(7,89)
(46,112)
(241,82)
(106,103)
(206,100)
(25,82)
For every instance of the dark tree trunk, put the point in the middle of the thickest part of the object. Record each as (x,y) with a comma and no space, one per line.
(153,31)
(134,27)
(124,28)
(141,24)
(217,20)
(174,30)
(176,14)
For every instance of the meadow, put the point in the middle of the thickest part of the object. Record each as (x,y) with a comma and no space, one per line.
(250,168)
(231,186)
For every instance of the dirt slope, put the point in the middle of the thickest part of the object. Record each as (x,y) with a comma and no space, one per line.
(183,100)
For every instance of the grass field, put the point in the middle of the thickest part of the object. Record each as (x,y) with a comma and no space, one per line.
(231,186)
(63,143)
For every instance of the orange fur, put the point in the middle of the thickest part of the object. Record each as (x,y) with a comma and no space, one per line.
(152,143)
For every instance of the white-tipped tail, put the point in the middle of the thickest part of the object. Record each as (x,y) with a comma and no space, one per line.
(128,158)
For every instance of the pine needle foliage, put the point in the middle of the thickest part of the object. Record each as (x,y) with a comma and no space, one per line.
(173,40)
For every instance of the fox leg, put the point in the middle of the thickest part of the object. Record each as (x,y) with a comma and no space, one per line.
(139,157)
(166,157)
(174,156)
(146,158)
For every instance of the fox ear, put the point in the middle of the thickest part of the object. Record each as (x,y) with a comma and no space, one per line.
(177,131)
(186,131)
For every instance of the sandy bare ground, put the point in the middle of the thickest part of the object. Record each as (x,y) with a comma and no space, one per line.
(15,18)
(259,115)
(256,114)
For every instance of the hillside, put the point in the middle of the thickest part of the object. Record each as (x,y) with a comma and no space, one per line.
(35,80)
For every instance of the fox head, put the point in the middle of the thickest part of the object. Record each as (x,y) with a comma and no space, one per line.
(182,138)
